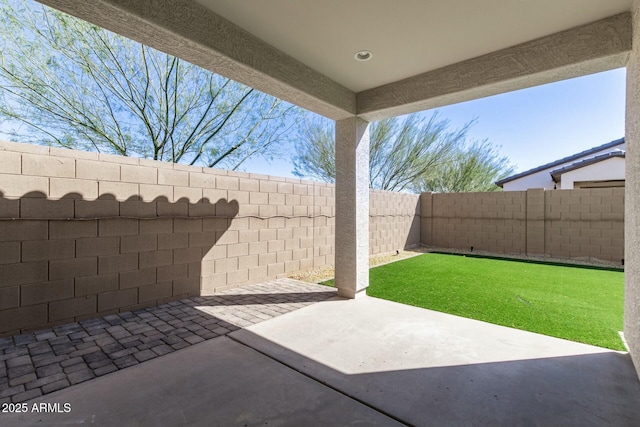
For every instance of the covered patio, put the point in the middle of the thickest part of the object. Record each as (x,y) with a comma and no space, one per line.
(421,56)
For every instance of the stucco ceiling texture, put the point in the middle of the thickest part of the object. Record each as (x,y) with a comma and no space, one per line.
(407,37)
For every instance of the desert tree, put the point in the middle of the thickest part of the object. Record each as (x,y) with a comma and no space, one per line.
(401,149)
(473,167)
(69,83)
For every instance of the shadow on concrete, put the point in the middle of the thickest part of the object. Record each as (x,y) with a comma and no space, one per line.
(245,379)
(218,383)
(577,390)
(53,359)
(260,298)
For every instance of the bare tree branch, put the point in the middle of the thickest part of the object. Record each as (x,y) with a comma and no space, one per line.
(66,82)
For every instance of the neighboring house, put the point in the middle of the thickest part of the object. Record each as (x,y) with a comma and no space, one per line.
(598,167)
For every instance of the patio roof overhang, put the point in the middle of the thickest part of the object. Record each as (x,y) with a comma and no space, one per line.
(426,54)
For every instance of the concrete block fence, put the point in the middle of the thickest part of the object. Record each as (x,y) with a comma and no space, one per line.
(394,221)
(86,234)
(586,224)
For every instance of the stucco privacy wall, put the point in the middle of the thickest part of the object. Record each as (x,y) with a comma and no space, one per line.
(86,234)
(632,232)
(582,224)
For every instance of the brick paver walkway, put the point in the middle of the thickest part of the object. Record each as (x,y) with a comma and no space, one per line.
(38,363)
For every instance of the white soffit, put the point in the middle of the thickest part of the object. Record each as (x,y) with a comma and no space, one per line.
(407,37)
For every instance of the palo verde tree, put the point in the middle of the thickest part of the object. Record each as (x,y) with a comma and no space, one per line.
(401,150)
(475,167)
(413,153)
(69,83)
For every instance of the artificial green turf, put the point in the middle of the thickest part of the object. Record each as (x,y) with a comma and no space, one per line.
(571,302)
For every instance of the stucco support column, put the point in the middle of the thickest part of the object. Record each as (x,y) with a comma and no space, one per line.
(352,207)
(632,196)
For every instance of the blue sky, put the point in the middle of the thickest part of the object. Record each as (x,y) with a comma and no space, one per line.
(532,126)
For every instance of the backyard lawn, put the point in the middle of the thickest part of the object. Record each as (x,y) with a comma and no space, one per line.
(572,302)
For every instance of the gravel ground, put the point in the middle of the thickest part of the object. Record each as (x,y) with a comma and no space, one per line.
(320,274)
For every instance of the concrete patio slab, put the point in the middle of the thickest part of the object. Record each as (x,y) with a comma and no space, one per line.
(430,368)
(343,362)
(215,383)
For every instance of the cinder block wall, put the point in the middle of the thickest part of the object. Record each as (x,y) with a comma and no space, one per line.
(394,221)
(585,223)
(86,234)
(487,221)
(580,224)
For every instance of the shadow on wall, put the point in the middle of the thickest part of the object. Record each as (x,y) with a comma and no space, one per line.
(70,259)
(413,237)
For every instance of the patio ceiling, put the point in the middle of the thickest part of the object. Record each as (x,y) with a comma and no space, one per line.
(407,38)
(425,53)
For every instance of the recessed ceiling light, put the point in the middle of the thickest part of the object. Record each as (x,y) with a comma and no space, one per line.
(363,55)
